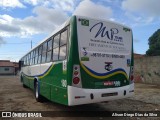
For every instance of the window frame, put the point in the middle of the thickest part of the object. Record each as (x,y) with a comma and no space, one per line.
(67,28)
(60,51)
(39,54)
(49,50)
(53,47)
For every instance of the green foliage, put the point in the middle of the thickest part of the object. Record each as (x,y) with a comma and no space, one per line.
(154,44)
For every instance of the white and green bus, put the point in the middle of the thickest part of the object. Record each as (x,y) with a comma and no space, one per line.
(84,61)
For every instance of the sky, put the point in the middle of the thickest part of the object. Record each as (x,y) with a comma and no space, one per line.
(23,21)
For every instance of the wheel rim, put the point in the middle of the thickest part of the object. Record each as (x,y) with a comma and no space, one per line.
(36,89)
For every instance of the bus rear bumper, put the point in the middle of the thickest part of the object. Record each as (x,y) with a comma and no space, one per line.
(78,96)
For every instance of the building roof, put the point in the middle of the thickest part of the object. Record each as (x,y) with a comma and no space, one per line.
(16,64)
(6,63)
(138,55)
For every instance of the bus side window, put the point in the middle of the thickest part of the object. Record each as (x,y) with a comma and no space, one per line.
(36,55)
(27,60)
(44,52)
(24,60)
(21,63)
(56,48)
(29,57)
(49,50)
(55,53)
(33,58)
(39,54)
(63,41)
(62,55)
(56,41)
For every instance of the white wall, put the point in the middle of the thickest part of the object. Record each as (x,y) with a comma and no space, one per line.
(147,70)
(10,70)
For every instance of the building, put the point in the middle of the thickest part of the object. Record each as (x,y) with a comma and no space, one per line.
(8,68)
(138,56)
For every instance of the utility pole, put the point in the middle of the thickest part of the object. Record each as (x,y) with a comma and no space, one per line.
(31,44)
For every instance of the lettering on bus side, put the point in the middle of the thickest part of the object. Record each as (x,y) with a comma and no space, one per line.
(112,83)
(111,34)
(64,67)
(64,83)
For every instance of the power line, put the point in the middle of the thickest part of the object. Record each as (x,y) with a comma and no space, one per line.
(20,43)
(11,54)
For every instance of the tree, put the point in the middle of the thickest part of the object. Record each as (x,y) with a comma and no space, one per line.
(154,44)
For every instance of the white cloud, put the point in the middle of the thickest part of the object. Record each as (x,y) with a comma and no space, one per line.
(33,2)
(147,7)
(138,19)
(141,12)
(2,41)
(91,9)
(55,16)
(11,4)
(5,19)
(44,21)
(65,5)
(6,26)
(9,28)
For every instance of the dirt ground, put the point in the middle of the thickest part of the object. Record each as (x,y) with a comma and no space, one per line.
(13,97)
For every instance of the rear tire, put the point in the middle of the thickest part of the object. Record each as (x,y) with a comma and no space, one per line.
(36,92)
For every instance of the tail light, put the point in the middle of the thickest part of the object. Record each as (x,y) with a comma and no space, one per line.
(76,78)
(75,73)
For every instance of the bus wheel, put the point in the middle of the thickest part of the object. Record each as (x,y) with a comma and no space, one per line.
(36,92)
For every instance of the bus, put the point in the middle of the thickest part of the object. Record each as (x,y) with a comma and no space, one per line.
(84,61)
